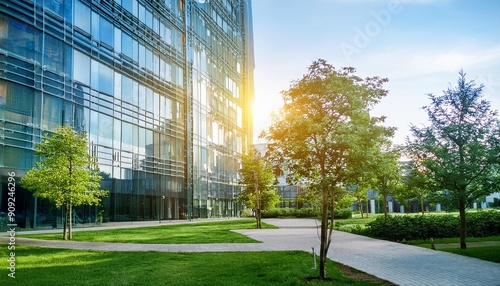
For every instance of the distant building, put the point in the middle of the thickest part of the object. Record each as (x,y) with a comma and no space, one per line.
(162,88)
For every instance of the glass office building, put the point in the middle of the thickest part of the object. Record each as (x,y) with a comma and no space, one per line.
(162,88)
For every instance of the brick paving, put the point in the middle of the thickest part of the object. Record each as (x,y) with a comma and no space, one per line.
(399,263)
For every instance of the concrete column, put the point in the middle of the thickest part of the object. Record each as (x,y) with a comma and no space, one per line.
(474,206)
(402,209)
(169,212)
(438,207)
(390,206)
(372,206)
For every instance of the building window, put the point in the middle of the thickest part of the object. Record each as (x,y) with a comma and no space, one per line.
(81,67)
(82,16)
(127,45)
(53,57)
(52,112)
(56,6)
(106,79)
(106,32)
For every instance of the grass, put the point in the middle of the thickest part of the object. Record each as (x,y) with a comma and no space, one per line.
(203,232)
(41,266)
(452,240)
(355,222)
(489,253)
(486,252)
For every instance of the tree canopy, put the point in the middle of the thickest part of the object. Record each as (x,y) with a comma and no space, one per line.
(323,131)
(460,149)
(66,174)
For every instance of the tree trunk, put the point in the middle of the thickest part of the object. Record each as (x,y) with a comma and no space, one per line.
(463,223)
(65,222)
(385,204)
(70,228)
(257,200)
(367,212)
(259,218)
(422,206)
(323,238)
(360,202)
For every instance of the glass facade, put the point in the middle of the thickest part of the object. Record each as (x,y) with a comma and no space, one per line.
(162,88)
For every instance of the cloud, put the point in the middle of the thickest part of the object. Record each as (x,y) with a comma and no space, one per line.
(416,2)
(422,60)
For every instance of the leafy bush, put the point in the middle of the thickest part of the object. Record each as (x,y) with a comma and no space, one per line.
(356,229)
(307,213)
(412,227)
(246,213)
(342,213)
(303,213)
(482,224)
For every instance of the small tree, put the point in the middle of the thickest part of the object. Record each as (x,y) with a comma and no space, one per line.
(257,176)
(388,174)
(66,173)
(460,150)
(415,184)
(358,192)
(321,132)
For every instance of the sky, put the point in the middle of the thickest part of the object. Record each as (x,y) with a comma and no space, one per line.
(419,45)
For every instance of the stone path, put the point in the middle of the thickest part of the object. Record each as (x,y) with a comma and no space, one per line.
(399,263)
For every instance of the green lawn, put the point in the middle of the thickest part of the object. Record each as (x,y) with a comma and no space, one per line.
(355,222)
(452,240)
(489,253)
(203,232)
(43,266)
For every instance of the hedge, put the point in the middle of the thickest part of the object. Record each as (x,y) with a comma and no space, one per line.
(411,227)
(304,213)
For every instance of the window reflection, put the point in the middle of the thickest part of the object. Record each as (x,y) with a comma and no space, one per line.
(105,130)
(52,112)
(56,6)
(26,41)
(106,79)
(127,45)
(81,67)
(17,101)
(53,54)
(106,32)
(127,89)
(82,16)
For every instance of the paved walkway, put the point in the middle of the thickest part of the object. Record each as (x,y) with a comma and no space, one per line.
(399,263)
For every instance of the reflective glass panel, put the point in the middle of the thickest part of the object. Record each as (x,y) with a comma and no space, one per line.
(82,16)
(81,67)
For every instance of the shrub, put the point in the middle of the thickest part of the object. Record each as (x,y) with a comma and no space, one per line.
(483,223)
(412,227)
(342,213)
(308,213)
(304,213)
(270,213)
(356,229)
(246,213)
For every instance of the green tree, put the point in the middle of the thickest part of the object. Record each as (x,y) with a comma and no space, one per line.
(257,177)
(460,149)
(415,184)
(321,131)
(387,172)
(66,173)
